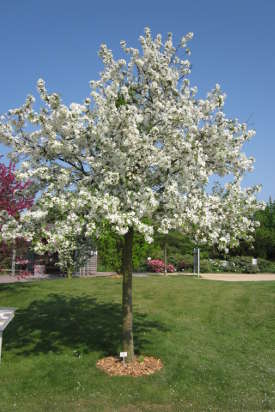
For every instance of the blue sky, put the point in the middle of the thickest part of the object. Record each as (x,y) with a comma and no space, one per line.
(234,45)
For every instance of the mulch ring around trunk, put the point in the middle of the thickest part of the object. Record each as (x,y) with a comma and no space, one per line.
(141,366)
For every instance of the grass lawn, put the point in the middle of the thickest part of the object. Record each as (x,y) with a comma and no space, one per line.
(216,341)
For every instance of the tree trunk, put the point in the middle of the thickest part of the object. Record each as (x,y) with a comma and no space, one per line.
(127,309)
(69,272)
(13,259)
(165,257)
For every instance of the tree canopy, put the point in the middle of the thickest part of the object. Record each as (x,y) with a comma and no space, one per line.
(144,147)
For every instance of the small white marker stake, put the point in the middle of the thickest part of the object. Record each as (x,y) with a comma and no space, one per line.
(123,355)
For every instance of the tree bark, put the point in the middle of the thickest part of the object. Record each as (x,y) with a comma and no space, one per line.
(13,259)
(165,257)
(127,309)
(69,272)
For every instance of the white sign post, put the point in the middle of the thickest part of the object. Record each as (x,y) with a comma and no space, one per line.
(196,270)
(6,315)
(123,355)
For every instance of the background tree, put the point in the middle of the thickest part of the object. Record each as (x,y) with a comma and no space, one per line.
(139,156)
(264,244)
(15,197)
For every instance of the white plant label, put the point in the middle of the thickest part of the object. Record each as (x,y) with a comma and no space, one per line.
(123,355)
(6,315)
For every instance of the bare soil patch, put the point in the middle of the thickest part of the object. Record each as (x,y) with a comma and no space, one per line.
(141,366)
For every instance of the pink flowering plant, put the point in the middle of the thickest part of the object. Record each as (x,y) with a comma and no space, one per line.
(23,274)
(158,266)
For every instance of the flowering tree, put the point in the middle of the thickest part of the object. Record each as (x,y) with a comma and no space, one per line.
(15,197)
(137,155)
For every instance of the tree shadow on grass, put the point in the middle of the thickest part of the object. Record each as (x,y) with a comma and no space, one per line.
(15,286)
(79,323)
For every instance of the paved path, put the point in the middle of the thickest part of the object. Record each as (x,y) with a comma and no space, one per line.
(14,279)
(227,277)
(239,277)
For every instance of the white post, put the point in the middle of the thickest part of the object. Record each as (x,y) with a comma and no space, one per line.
(198,262)
(0,345)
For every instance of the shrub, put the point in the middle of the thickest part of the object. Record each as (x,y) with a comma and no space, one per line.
(205,266)
(181,266)
(266,266)
(158,266)
(236,264)
(188,263)
(242,264)
(175,259)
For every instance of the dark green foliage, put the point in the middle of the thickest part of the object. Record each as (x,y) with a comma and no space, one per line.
(205,266)
(109,250)
(264,243)
(188,261)
(266,266)
(109,247)
(177,243)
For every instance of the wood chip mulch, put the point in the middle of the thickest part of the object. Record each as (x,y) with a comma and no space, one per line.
(145,365)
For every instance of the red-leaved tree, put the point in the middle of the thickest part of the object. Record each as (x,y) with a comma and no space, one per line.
(15,196)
